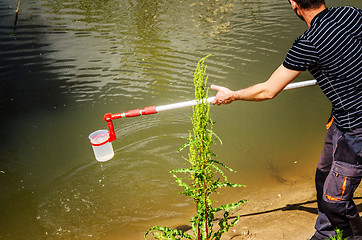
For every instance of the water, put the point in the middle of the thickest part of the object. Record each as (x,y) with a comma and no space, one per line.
(67,63)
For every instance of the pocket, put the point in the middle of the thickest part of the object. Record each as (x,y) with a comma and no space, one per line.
(348,149)
(342,182)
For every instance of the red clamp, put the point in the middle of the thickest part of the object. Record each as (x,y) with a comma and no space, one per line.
(108,117)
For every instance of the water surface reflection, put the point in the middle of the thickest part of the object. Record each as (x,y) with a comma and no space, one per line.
(69,62)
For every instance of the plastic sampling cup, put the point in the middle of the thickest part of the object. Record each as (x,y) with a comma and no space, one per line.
(102,148)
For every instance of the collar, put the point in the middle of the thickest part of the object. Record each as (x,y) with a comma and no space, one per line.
(319,16)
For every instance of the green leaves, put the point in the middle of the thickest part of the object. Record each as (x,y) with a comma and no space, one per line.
(163,233)
(338,236)
(202,178)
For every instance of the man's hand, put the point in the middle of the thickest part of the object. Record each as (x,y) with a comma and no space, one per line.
(223,96)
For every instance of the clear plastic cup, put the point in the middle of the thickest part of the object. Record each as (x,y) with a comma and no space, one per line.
(102,148)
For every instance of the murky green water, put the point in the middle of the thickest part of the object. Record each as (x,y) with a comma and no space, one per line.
(69,62)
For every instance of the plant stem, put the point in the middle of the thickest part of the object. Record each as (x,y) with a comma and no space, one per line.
(198,224)
(205,189)
(206,207)
(17,14)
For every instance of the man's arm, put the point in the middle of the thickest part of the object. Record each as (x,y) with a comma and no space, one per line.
(259,92)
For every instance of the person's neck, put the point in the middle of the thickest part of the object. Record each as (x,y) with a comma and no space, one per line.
(309,14)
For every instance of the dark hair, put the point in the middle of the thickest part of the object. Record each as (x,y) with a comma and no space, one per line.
(310,4)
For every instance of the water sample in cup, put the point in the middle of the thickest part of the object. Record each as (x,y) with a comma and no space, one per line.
(102,148)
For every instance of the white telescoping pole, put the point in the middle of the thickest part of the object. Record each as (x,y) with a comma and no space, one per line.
(181,104)
(210,99)
(301,84)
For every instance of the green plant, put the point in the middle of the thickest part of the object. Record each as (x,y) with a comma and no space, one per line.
(339,235)
(204,175)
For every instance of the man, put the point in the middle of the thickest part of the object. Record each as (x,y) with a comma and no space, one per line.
(331,49)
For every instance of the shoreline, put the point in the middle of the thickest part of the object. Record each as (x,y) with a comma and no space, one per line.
(284,212)
(287,210)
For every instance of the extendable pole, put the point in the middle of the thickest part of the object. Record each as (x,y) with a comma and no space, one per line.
(301,84)
(108,117)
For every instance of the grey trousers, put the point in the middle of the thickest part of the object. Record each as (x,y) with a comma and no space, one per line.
(338,175)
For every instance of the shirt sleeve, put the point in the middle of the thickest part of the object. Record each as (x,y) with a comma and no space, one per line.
(302,56)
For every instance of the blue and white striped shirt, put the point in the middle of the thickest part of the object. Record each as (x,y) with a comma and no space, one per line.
(331,49)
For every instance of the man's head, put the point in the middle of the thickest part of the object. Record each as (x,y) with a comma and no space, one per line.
(309,4)
(302,7)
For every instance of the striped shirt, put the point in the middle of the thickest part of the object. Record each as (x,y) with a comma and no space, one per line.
(331,49)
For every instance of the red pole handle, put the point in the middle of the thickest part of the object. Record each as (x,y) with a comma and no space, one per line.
(108,117)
